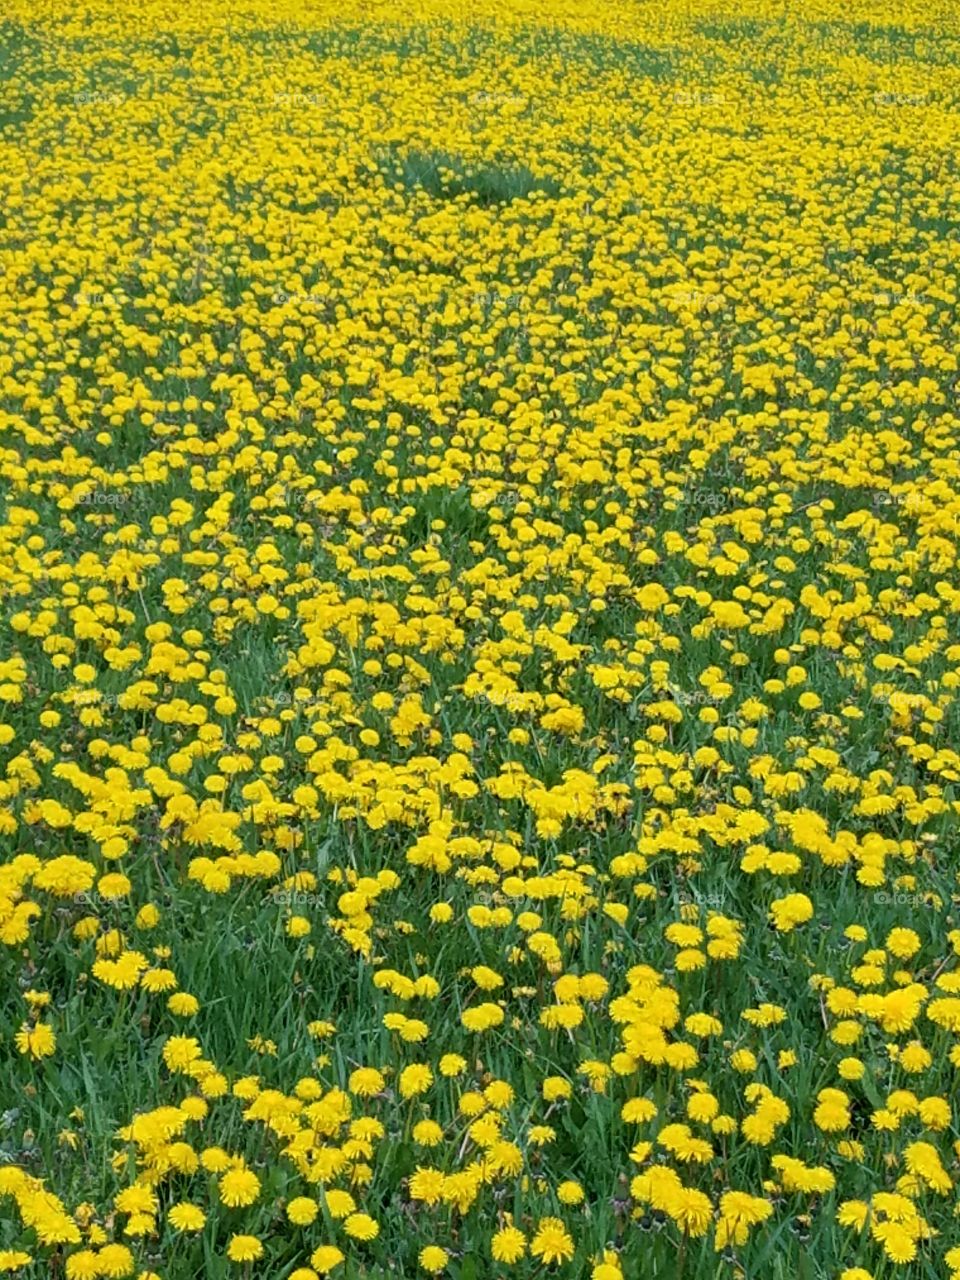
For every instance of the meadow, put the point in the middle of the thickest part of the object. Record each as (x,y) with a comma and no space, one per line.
(480,640)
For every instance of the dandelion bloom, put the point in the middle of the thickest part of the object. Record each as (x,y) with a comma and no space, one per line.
(551,1242)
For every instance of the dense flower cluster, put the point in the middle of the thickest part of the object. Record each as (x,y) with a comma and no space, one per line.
(479,733)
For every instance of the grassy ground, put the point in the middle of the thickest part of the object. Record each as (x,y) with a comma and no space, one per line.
(479,733)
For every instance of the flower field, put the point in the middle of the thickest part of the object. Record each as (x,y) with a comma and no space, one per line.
(480,640)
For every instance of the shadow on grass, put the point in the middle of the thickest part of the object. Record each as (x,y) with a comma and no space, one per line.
(446,177)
